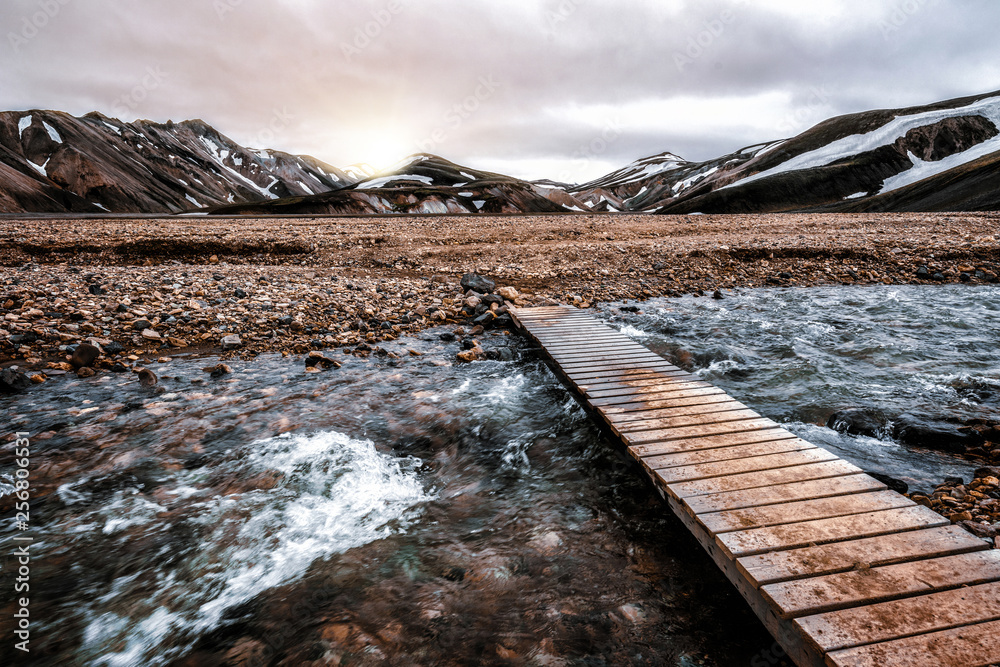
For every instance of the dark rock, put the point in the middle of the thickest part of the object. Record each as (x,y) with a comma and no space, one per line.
(897,485)
(448,337)
(490,299)
(965,277)
(923,272)
(988,471)
(240,294)
(119,367)
(503,322)
(147,378)
(363,347)
(285,321)
(916,431)
(468,344)
(505,354)
(718,295)
(114,347)
(218,370)
(85,355)
(485,320)
(23,339)
(953,481)
(122,308)
(477,283)
(95,289)
(142,325)
(785,275)
(870,422)
(13,381)
(938,277)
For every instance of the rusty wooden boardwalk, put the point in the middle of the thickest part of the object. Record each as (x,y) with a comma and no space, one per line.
(842,571)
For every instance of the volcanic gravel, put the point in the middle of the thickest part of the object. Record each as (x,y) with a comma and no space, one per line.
(159,286)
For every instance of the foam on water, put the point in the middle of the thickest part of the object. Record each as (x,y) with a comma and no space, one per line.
(335,493)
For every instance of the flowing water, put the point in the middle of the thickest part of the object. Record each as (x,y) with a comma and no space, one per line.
(390,512)
(415,512)
(799,355)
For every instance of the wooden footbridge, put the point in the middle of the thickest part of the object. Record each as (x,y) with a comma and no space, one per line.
(842,571)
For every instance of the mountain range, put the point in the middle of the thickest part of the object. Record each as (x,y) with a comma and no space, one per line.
(939,157)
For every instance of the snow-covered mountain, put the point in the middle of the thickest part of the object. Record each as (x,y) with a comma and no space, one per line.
(53,162)
(426,184)
(941,157)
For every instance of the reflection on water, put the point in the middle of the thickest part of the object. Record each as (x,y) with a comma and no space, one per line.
(400,512)
(798,355)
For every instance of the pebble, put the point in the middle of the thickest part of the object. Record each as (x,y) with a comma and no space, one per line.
(85,354)
(147,378)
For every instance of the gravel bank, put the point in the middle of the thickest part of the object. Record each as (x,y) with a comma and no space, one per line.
(151,287)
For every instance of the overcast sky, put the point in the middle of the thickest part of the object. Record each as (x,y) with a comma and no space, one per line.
(564,89)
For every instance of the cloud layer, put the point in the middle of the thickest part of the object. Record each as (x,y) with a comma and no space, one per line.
(566,89)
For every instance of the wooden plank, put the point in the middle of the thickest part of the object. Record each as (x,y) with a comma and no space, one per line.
(623,418)
(784,493)
(651,361)
(702,400)
(742,466)
(970,646)
(803,510)
(602,355)
(654,424)
(663,372)
(710,442)
(878,584)
(823,531)
(849,628)
(646,437)
(651,388)
(690,458)
(765,478)
(869,552)
(608,368)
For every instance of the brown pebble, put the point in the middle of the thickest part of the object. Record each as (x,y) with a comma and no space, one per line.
(85,354)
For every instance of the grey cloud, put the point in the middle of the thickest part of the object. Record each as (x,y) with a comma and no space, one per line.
(346,75)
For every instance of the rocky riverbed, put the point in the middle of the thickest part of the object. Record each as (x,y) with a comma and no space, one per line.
(145,289)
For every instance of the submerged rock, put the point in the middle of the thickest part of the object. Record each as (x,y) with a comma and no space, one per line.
(917,431)
(147,378)
(85,355)
(869,422)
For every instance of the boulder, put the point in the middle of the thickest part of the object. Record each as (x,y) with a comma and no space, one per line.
(477,283)
(13,381)
(917,431)
(871,422)
(85,355)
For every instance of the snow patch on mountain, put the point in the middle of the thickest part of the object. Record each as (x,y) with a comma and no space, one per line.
(52,133)
(924,169)
(886,135)
(23,125)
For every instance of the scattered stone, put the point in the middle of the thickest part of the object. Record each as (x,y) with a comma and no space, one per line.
(218,370)
(13,381)
(150,334)
(231,342)
(318,360)
(475,354)
(508,293)
(917,431)
(147,378)
(85,355)
(85,372)
(718,295)
(176,342)
(477,283)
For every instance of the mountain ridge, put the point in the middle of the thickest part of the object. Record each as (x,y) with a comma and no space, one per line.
(940,156)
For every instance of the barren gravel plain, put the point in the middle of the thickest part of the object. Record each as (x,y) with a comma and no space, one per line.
(159,286)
